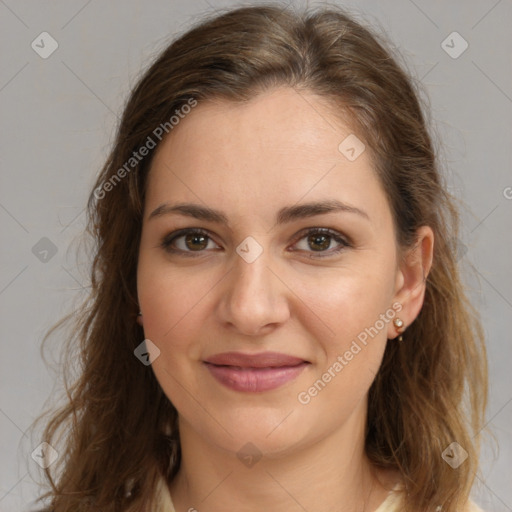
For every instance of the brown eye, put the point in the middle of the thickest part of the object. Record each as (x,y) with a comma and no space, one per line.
(321,241)
(196,242)
(187,241)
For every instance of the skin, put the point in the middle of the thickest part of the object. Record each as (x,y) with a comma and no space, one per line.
(249,160)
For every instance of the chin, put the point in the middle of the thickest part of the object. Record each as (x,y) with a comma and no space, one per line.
(274,433)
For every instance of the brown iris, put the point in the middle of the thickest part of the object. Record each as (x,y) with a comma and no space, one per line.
(195,241)
(320,241)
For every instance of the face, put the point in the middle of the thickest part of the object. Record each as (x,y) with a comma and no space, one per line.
(271,298)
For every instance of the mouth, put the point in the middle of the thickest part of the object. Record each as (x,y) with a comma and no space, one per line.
(254,372)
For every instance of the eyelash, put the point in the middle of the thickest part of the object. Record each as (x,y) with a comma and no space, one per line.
(168,240)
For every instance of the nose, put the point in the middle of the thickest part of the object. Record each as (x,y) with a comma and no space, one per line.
(253,299)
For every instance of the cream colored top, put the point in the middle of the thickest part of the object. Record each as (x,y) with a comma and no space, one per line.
(390,504)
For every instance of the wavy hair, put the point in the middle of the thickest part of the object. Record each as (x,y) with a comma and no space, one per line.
(117,428)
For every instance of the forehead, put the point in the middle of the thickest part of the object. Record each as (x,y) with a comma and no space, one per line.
(281,147)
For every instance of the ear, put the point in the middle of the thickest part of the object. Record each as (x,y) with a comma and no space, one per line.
(139,320)
(411,278)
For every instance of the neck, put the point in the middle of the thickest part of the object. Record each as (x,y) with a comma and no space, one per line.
(328,474)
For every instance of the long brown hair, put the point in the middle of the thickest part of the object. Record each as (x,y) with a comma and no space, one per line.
(119,429)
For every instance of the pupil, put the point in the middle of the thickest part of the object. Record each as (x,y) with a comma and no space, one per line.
(192,239)
(322,241)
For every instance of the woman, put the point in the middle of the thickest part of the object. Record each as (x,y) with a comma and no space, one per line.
(272,222)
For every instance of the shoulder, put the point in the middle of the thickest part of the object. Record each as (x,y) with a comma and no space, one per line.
(472,507)
(393,502)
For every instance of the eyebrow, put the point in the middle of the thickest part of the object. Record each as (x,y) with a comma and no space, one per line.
(285,215)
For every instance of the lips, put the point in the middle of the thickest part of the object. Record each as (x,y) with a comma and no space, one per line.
(254,372)
(262,360)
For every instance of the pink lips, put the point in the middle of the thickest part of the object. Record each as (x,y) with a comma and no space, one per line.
(254,372)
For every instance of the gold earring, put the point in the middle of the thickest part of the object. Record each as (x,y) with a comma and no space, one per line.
(399,323)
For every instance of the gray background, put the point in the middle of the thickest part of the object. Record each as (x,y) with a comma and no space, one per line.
(58,119)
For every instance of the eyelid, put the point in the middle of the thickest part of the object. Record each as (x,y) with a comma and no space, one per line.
(321,229)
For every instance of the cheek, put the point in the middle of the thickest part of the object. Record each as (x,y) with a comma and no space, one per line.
(167,297)
(173,319)
(172,301)
(345,303)
(350,356)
